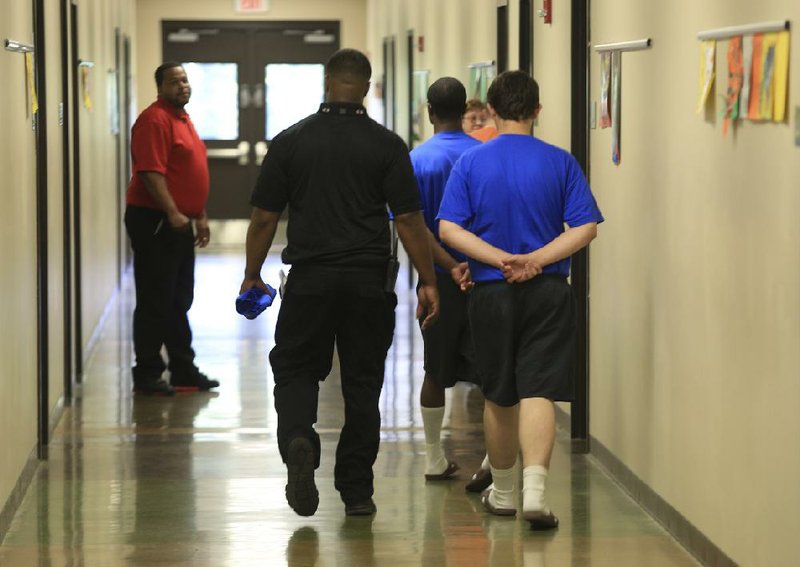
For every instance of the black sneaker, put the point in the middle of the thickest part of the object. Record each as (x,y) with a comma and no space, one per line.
(301,491)
(363,508)
(198,382)
(153,388)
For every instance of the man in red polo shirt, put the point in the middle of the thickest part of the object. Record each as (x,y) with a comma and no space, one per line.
(168,190)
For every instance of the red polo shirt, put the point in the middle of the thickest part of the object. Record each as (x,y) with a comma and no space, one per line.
(164,140)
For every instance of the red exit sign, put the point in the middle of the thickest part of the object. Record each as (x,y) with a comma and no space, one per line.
(251,5)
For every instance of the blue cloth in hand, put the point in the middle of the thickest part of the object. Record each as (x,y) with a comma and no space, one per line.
(252,302)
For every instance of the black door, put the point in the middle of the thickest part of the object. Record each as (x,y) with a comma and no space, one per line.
(250,80)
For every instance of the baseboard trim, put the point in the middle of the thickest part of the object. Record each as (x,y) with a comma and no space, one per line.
(17,494)
(691,538)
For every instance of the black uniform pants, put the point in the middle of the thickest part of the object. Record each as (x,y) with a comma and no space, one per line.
(320,307)
(163,270)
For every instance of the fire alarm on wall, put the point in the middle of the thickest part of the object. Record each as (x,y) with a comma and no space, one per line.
(547,11)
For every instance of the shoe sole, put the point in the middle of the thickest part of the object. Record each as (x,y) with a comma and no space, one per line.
(301,491)
(448,474)
(361,511)
(191,388)
(487,505)
(540,521)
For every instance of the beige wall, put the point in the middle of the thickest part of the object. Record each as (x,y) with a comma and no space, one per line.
(456,32)
(150,13)
(18,304)
(18,275)
(98,191)
(695,356)
(551,48)
(97,21)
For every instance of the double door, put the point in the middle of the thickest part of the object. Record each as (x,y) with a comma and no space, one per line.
(250,80)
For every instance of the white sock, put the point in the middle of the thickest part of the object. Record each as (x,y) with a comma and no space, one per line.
(485,464)
(435,461)
(534,478)
(503,481)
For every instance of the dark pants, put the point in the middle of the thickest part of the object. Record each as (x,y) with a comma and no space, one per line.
(348,307)
(163,270)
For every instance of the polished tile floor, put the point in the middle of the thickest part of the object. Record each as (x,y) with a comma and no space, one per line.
(196,480)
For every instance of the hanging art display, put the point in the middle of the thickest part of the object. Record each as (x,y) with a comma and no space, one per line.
(708,56)
(758,70)
(34,99)
(616,93)
(735,78)
(605,89)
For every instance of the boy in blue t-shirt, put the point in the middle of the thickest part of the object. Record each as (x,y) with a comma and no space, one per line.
(505,206)
(448,346)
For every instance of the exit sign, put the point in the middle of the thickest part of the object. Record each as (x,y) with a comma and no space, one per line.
(251,5)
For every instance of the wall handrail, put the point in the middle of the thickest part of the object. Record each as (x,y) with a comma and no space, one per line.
(633,45)
(480,65)
(747,29)
(15,46)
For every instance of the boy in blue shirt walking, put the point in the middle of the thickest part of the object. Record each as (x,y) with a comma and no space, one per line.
(505,206)
(448,345)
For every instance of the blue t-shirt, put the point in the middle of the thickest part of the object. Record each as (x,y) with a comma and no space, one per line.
(432,163)
(516,192)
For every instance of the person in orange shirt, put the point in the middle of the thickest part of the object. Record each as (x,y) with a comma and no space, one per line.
(489,128)
(474,115)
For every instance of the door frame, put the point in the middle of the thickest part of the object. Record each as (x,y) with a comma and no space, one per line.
(66,165)
(579,146)
(74,70)
(502,36)
(42,315)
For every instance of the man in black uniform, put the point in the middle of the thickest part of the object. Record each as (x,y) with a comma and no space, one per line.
(337,170)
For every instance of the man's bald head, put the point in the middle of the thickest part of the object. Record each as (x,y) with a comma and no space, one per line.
(347,75)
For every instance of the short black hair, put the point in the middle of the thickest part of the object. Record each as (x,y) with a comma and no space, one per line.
(349,62)
(447,98)
(163,67)
(514,95)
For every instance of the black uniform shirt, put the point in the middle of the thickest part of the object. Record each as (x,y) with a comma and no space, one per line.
(337,170)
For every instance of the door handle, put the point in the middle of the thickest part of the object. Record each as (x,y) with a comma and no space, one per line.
(261,151)
(244,96)
(257,98)
(240,152)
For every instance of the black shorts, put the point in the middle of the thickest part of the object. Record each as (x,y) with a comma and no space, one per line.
(449,353)
(524,339)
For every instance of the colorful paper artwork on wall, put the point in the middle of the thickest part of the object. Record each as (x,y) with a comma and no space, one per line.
(616,92)
(781,75)
(769,77)
(758,71)
(708,56)
(605,89)
(34,100)
(747,78)
(735,78)
(86,96)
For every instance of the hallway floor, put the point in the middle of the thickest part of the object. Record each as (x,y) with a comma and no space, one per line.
(196,480)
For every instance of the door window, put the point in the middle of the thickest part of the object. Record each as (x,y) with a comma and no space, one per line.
(292,91)
(214,106)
